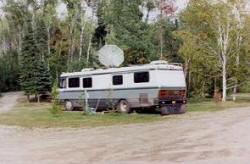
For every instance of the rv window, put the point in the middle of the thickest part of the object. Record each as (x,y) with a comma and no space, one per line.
(141,77)
(87,82)
(74,83)
(62,83)
(118,80)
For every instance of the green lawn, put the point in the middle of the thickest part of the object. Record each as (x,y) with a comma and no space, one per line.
(243,100)
(211,106)
(37,115)
(33,115)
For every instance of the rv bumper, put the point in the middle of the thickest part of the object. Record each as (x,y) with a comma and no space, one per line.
(167,102)
(171,106)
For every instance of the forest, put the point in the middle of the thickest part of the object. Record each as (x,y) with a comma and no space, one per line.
(210,39)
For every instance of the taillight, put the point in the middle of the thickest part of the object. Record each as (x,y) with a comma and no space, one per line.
(182,93)
(162,93)
(172,93)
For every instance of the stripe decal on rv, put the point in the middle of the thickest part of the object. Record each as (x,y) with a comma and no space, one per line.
(122,89)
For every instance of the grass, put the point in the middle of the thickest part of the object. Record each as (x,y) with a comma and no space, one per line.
(33,115)
(211,106)
(243,100)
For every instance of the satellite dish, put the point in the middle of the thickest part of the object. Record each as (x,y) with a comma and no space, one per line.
(111,56)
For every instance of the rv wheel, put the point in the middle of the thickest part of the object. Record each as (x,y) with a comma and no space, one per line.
(165,110)
(69,106)
(181,109)
(124,106)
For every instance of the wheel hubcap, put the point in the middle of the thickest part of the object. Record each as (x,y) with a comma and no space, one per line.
(68,105)
(123,107)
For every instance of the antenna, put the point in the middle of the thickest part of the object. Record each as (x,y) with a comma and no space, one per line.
(111,56)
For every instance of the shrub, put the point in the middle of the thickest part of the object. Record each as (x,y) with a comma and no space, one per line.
(55,107)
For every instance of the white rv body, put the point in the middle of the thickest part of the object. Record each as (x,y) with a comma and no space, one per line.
(139,85)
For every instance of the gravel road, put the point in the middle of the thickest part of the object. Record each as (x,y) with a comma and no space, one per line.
(8,101)
(197,138)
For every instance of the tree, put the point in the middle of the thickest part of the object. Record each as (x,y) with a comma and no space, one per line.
(49,15)
(126,29)
(41,38)
(55,108)
(29,62)
(42,79)
(167,9)
(238,11)
(212,27)
(15,17)
(101,30)
(150,5)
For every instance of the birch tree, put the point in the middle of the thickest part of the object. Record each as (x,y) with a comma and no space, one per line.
(167,9)
(213,27)
(49,16)
(238,11)
(82,24)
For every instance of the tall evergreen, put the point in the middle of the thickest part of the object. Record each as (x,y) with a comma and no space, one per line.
(100,31)
(126,29)
(42,79)
(41,38)
(35,74)
(29,61)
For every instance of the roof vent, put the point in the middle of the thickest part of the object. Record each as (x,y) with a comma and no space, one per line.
(159,62)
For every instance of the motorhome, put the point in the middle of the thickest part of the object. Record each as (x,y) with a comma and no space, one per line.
(159,85)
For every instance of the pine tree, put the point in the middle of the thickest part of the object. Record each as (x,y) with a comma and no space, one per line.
(42,79)
(126,29)
(41,38)
(29,61)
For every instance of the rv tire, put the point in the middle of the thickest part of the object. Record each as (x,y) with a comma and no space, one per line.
(69,105)
(165,111)
(124,107)
(181,109)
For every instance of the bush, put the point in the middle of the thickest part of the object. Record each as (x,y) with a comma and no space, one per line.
(55,107)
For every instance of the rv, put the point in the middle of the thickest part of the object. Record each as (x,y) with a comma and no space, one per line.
(157,85)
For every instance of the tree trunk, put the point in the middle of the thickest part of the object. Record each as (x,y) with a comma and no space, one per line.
(147,16)
(28,98)
(71,40)
(72,49)
(81,40)
(49,38)
(189,81)
(186,68)
(38,98)
(161,42)
(161,32)
(238,44)
(73,37)
(240,25)
(224,79)
(236,83)
(20,39)
(89,47)
(223,43)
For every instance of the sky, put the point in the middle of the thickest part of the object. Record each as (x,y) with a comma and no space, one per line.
(62,11)
(180,4)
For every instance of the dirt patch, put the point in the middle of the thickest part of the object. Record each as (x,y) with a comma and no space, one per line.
(218,137)
(197,138)
(8,101)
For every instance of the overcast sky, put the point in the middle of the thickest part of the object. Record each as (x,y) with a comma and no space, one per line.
(62,11)
(180,4)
